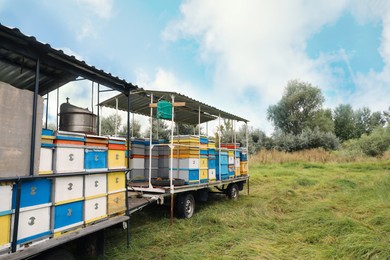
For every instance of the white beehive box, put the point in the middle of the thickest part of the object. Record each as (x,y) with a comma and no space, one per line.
(68,189)
(68,159)
(95,209)
(95,185)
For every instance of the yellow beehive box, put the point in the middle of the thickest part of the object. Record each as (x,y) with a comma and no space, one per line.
(5,227)
(116,159)
(237,171)
(116,203)
(116,182)
(244,167)
(203,174)
(231,153)
(204,162)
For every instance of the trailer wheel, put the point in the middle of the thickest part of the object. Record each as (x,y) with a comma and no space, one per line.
(185,205)
(232,191)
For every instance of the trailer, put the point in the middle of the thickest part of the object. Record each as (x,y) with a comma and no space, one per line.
(193,152)
(70,185)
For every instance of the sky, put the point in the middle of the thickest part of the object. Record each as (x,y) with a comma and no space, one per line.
(234,55)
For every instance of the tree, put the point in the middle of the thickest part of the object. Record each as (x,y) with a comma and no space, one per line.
(299,104)
(322,120)
(160,127)
(135,130)
(108,124)
(344,122)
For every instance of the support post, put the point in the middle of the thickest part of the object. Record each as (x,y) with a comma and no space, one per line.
(16,219)
(150,141)
(116,117)
(47,109)
(58,104)
(98,110)
(219,147)
(34,119)
(172,191)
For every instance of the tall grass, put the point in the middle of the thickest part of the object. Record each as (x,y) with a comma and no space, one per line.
(314,155)
(295,210)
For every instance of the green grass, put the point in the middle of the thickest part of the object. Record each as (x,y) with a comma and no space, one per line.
(294,210)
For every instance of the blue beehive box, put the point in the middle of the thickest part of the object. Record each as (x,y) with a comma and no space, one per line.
(224,172)
(211,151)
(212,163)
(222,158)
(67,216)
(203,152)
(33,192)
(47,132)
(237,154)
(204,140)
(243,157)
(95,159)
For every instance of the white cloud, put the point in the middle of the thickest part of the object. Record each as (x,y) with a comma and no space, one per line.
(258,46)
(87,31)
(101,8)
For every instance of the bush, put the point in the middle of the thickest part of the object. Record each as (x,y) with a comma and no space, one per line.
(308,139)
(375,144)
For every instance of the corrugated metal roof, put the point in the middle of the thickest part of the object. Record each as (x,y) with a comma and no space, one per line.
(19,54)
(188,114)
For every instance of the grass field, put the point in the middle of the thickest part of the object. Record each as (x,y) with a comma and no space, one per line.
(294,210)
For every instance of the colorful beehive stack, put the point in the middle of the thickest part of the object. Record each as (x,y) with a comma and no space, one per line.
(5,215)
(211,161)
(151,159)
(203,164)
(244,162)
(69,152)
(231,163)
(116,199)
(35,211)
(46,156)
(95,193)
(68,197)
(137,160)
(116,153)
(237,171)
(222,164)
(164,153)
(186,158)
(95,153)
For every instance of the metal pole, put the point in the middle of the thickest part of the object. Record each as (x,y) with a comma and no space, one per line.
(47,109)
(34,120)
(128,130)
(171,161)
(92,98)
(116,117)
(199,141)
(16,219)
(219,147)
(98,110)
(150,141)
(58,102)
(247,145)
(132,128)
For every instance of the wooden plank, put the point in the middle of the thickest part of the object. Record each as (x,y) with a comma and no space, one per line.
(51,243)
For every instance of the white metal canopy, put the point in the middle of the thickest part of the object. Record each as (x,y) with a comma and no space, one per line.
(188,114)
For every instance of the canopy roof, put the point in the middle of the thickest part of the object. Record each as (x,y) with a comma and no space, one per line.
(188,114)
(18,58)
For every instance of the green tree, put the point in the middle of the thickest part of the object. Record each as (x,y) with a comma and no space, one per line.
(108,124)
(344,122)
(322,120)
(135,130)
(161,128)
(295,111)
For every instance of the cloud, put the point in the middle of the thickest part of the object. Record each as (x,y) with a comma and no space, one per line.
(257,46)
(101,8)
(87,31)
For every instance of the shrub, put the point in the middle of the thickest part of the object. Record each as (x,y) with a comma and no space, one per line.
(308,139)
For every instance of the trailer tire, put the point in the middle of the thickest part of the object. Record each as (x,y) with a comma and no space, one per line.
(185,205)
(232,191)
